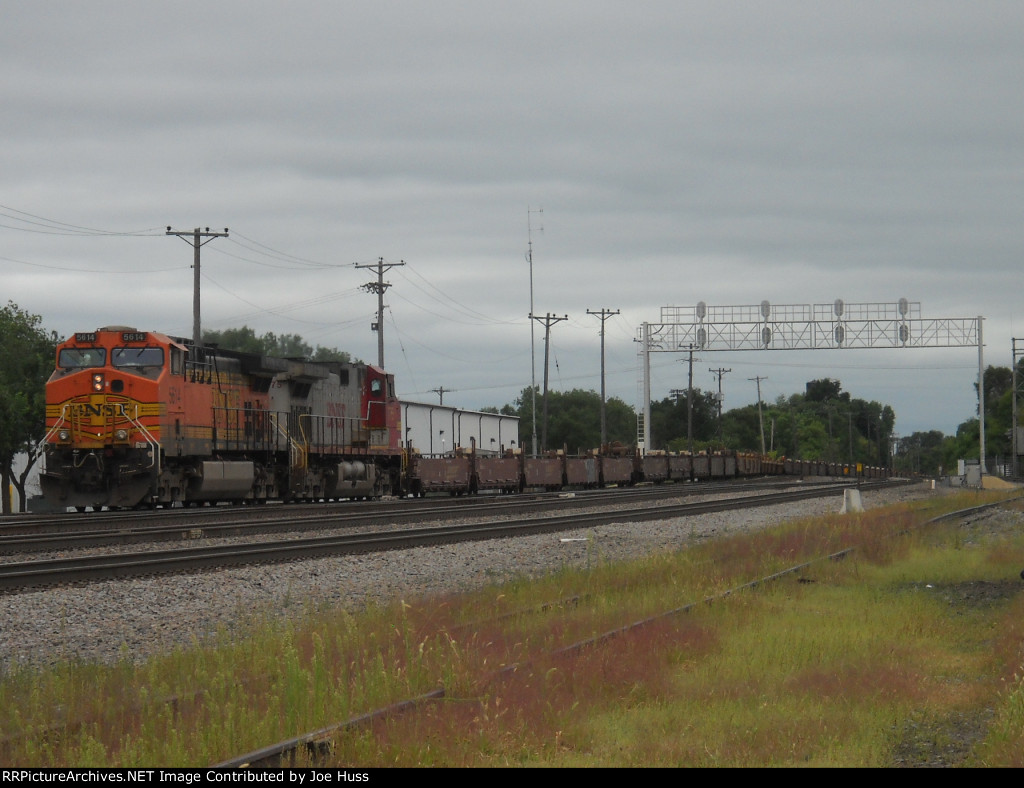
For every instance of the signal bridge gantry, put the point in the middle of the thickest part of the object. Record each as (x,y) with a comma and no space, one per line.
(827,326)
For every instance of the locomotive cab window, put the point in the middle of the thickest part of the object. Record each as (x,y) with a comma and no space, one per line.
(81,357)
(177,361)
(375,387)
(147,361)
(123,357)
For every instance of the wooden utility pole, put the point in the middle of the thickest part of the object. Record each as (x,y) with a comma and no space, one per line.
(548,321)
(719,373)
(196,234)
(440,392)
(379,287)
(689,403)
(533,351)
(760,417)
(603,315)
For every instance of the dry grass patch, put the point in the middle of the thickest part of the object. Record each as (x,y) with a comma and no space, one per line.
(891,652)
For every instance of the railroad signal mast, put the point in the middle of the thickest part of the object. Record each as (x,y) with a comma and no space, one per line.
(833,326)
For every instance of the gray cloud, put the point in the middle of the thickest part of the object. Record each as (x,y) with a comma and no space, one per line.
(791,151)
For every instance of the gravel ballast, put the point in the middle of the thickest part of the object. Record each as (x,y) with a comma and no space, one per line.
(109,620)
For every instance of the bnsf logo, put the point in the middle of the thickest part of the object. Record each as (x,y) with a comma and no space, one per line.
(104,409)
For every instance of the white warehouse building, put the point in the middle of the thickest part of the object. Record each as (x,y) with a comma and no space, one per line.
(439,429)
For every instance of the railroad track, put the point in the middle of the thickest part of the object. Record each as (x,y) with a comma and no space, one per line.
(27,575)
(122,528)
(65,523)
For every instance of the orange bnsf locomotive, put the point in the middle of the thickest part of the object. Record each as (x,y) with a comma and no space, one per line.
(139,418)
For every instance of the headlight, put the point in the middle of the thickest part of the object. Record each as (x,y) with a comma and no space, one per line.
(121,435)
(64,435)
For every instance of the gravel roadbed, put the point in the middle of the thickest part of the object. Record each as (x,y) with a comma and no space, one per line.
(136,619)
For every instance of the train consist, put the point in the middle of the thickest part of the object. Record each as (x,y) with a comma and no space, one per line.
(616,466)
(138,418)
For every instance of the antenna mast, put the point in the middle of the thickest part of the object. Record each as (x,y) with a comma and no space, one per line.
(533,352)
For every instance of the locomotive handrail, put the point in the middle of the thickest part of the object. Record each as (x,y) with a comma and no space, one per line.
(326,436)
(296,453)
(76,430)
(61,419)
(154,445)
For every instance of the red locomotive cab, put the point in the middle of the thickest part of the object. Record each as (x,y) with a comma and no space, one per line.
(378,395)
(381,408)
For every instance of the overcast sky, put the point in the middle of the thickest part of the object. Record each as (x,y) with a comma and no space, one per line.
(649,153)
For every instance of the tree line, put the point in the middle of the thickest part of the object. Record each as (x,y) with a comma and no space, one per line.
(821,423)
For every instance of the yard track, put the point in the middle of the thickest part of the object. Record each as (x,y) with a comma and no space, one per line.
(20,576)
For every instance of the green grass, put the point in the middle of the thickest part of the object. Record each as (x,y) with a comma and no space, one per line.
(907,650)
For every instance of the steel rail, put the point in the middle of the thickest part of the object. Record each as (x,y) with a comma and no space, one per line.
(60,523)
(20,576)
(210,523)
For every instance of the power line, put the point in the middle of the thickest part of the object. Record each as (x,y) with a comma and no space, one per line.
(54,227)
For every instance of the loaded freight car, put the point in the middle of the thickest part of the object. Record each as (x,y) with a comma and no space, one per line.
(582,472)
(453,475)
(654,467)
(502,474)
(617,471)
(546,473)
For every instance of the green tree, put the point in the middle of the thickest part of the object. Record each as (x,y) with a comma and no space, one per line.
(825,423)
(998,423)
(244,339)
(574,420)
(921,453)
(963,445)
(330,354)
(741,429)
(287,346)
(998,411)
(671,421)
(25,364)
(824,390)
